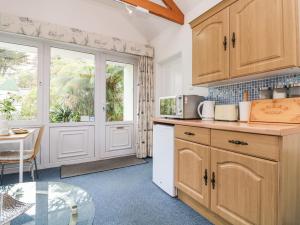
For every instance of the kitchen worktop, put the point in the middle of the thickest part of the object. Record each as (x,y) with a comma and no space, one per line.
(257,128)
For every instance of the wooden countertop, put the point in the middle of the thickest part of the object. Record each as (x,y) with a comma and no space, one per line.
(12,136)
(257,128)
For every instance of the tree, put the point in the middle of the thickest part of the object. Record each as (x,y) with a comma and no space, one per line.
(72,87)
(114,93)
(9,59)
(29,105)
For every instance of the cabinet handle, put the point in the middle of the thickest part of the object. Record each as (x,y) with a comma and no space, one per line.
(233,39)
(189,133)
(237,142)
(225,43)
(119,128)
(205,177)
(213,180)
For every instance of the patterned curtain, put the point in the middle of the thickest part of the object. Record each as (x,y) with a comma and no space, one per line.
(145,107)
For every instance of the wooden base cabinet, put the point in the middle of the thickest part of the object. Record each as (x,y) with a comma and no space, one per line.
(192,170)
(239,178)
(244,188)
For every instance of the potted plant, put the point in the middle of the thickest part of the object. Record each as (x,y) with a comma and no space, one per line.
(6,109)
(60,114)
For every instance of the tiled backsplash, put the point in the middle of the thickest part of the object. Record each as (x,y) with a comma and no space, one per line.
(233,93)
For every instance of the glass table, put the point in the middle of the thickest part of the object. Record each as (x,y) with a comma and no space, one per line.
(55,203)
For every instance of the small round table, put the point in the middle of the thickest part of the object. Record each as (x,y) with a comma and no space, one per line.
(55,203)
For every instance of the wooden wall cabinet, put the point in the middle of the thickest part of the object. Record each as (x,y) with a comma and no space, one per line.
(262,37)
(211,49)
(265,36)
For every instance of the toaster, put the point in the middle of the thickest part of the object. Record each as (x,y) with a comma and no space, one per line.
(226,112)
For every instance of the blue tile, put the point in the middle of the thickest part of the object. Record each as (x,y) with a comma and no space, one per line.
(233,93)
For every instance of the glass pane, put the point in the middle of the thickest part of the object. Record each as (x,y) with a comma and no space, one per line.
(71,86)
(18,81)
(168,107)
(119,91)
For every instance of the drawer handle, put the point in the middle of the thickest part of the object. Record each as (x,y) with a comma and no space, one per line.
(120,128)
(189,133)
(213,180)
(205,177)
(237,142)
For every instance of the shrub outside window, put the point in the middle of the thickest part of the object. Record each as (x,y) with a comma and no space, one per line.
(72,76)
(18,81)
(119,91)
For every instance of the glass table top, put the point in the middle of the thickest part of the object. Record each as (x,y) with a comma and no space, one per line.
(55,203)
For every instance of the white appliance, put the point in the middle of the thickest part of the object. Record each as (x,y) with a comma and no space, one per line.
(180,106)
(206,110)
(227,112)
(163,158)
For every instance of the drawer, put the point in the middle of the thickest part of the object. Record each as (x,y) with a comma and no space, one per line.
(263,146)
(193,134)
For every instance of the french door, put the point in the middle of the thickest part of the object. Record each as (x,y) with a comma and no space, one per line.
(119,106)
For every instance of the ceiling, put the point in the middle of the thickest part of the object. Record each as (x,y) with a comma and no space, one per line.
(147,24)
(184,5)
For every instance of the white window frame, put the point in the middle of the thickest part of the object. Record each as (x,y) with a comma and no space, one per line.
(101,128)
(47,73)
(14,39)
(126,60)
(44,57)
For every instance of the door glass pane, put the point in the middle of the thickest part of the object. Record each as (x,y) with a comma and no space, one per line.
(119,91)
(71,86)
(18,81)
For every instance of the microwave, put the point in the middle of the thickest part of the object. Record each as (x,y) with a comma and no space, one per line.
(180,106)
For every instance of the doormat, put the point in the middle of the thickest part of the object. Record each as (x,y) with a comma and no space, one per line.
(99,166)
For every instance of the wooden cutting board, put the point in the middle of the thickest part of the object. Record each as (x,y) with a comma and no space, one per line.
(285,110)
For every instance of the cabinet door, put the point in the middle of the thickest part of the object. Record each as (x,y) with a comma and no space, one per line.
(246,188)
(211,49)
(265,36)
(192,169)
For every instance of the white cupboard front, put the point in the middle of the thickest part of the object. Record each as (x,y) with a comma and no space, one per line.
(69,144)
(119,140)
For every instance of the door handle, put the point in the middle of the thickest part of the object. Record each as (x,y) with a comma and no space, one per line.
(233,39)
(205,177)
(213,181)
(225,43)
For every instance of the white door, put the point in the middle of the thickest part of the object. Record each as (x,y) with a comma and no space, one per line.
(119,106)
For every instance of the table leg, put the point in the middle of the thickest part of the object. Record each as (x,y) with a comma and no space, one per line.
(21,161)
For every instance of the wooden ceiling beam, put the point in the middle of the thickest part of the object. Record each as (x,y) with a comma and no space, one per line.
(170,12)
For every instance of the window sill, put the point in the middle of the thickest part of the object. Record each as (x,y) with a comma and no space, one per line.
(72,124)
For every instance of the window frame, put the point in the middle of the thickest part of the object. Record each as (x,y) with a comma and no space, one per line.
(14,39)
(126,60)
(68,47)
(43,77)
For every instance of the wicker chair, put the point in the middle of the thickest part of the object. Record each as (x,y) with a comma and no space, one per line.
(13,157)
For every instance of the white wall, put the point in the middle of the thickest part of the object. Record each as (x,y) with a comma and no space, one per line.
(177,40)
(87,15)
(170,76)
